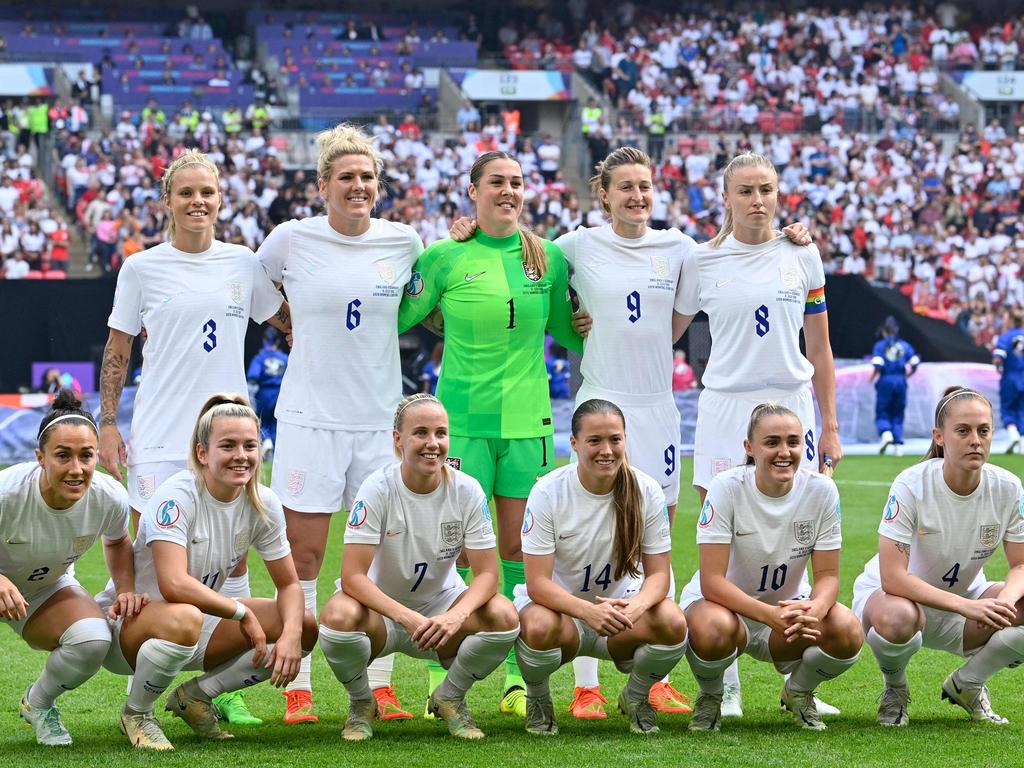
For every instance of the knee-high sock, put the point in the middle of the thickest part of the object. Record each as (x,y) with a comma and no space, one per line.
(893,657)
(235,674)
(816,667)
(379,672)
(236,586)
(302,680)
(512,573)
(585,669)
(478,656)
(732,674)
(77,657)
(709,674)
(1003,649)
(347,654)
(537,667)
(652,663)
(156,665)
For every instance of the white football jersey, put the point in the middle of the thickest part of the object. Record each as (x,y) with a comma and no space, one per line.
(771,539)
(344,370)
(418,536)
(195,308)
(755,297)
(564,518)
(630,287)
(215,534)
(950,536)
(38,544)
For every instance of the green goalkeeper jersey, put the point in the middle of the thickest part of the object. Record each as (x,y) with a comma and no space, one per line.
(493,382)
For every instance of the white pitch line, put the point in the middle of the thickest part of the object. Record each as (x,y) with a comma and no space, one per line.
(881,483)
(19,412)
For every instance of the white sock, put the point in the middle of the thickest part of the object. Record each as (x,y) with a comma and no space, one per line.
(156,666)
(236,586)
(379,671)
(585,669)
(536,667)
(1003,649)
(347,655)
(893,657)
(650,664)
(1013,432)
(235,674)
(478,656)
(816,667)
(302,681)
(709,674)
(78,656)
(732,674)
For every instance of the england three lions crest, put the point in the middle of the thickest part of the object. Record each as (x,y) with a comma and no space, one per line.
(989,535)
(659,264)
(235,292)
(451,534)
(803,532)
(386,270)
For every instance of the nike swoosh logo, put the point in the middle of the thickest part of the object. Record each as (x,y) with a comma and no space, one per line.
(564,536)
(744,533)
(392,533)
(722,283)
(470,278)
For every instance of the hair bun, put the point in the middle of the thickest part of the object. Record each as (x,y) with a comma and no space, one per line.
(65,401)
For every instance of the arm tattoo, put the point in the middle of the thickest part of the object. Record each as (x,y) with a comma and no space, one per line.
(112,375)
(282,315)
(904,548)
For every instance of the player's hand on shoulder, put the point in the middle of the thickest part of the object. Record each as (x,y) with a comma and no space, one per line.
(13,605)
(462,229)
(797,233)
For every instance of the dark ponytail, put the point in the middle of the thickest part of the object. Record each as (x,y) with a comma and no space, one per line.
(65,407)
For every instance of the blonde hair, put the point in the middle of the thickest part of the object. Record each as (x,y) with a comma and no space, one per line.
(936,451)
(629,516)
(618,158)
(347,139)
(761,411)
(414,401)
(230,406)
(534,255)
(190,158)
(745,160)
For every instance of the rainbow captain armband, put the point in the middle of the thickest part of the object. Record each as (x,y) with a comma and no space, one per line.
(815,301)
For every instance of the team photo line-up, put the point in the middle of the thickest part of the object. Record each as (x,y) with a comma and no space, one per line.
(581,552)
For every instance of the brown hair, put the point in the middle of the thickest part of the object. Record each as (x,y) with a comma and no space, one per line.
(533,247)
(602,177)
(759,412)
(188,159)
(936,451)
(628,506)
(67,407)
(225,405)
(745,160)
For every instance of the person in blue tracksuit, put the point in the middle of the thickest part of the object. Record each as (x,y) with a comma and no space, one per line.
(265,372)
(895,361)
(1008,357)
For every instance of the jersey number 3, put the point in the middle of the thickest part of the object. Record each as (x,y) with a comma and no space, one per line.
(210,329)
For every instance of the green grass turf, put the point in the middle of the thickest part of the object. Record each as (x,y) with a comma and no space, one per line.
(940,734)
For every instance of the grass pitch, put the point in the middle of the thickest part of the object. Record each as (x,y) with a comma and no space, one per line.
(939,734)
